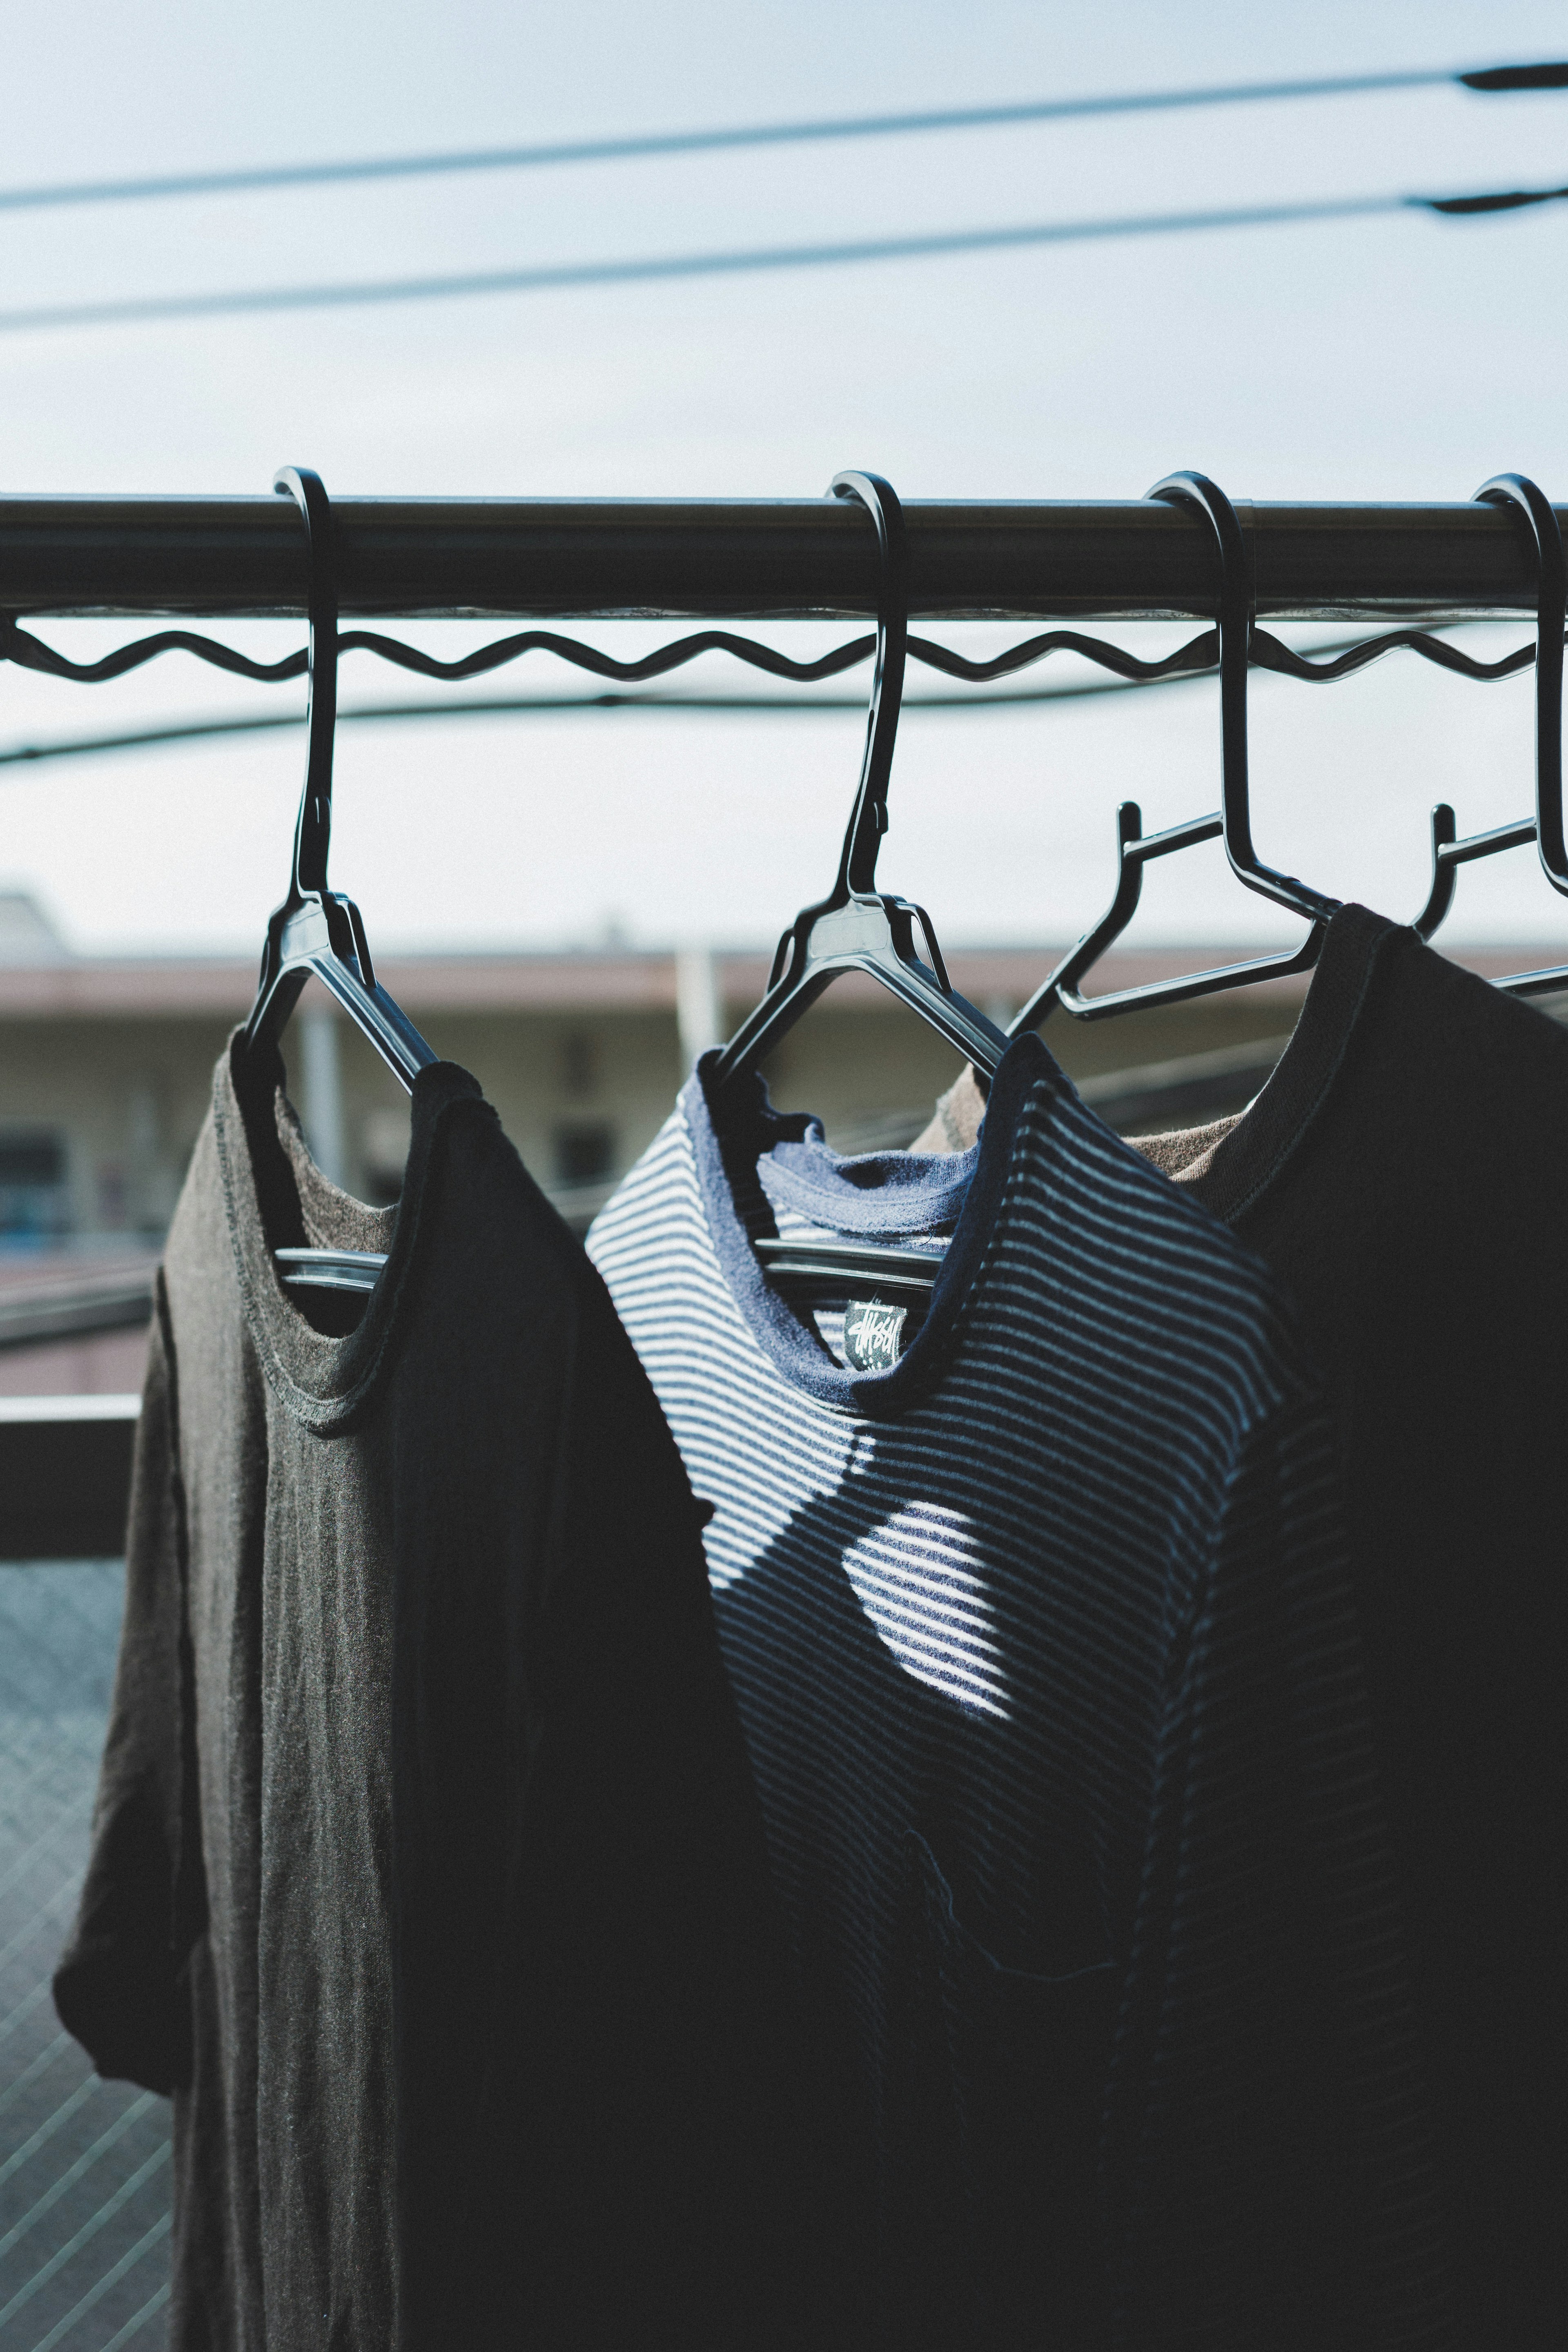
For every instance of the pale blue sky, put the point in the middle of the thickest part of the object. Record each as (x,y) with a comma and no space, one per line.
(1405,358)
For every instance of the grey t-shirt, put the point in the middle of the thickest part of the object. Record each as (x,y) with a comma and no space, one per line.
(427,1870)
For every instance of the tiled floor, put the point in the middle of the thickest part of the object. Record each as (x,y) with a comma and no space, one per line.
(84,2164)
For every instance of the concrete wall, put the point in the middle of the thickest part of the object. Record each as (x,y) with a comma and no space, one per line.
(129,1097)
(560,1084)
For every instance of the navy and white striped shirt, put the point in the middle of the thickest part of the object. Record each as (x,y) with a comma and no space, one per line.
(1049,1675)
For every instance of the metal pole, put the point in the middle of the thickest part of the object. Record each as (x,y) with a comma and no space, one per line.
(781,559)
(698,1003)
(322,1091)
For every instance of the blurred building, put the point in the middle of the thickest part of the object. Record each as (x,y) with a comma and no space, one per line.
(106,1067)
(106,1063)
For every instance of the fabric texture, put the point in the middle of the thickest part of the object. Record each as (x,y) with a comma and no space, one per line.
(1406,1173)
(427,1873)
(1044,1649)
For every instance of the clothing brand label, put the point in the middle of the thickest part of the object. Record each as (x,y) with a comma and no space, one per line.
(873,1335)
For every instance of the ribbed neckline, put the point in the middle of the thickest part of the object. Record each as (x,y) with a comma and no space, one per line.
(732,1132)
(872,1193)
(1249,1157)
(276,1197)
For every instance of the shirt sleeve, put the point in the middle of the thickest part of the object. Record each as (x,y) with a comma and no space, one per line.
(1269,2172)
(119,1986)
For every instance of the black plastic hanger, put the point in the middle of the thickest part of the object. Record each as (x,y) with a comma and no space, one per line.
(819,1270)
(1545,828)
(857,927)
(316,928)
(1231,824)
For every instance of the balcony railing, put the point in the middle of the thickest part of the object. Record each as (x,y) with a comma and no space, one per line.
(84,2164)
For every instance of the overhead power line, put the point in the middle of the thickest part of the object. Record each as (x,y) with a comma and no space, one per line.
(744,261)
(267,722)
(1490,79)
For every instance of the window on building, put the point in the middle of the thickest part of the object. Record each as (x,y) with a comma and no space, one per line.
(385,1150)
(33,1200)
(584,1153)
(579,1063)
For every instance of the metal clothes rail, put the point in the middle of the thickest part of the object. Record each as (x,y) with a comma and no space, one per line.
(774,558)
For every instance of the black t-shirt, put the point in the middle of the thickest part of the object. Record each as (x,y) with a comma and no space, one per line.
(1406,1173)
(427,1869)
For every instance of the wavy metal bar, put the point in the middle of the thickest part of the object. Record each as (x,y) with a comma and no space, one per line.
(18,644)
(1268,653)
(602,665)
(1199,653)
(30,652)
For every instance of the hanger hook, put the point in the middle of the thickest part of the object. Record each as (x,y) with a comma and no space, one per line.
(856,927)
(857,865)
(1237,608)
(313,832)
(1551,620)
